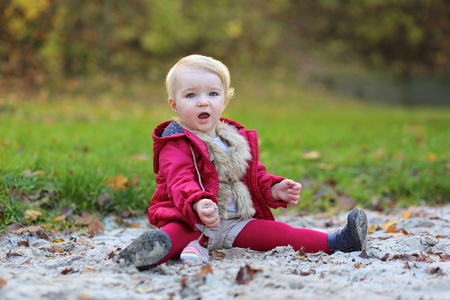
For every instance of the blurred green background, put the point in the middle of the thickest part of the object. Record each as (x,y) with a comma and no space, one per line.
(349,97)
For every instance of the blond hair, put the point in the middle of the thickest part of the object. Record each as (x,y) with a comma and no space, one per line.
(204,63)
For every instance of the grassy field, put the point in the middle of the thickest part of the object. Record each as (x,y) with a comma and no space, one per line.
(87,152)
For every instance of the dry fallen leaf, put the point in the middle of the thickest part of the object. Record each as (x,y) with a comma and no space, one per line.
(444,257)
(405,232)
(9,254)
(219,254)
(23,243)
(324,166)
(413,257)
(435,271)
(3,282)
(28,173)
(204,270)
(145,289)
(379,153)
(32,214)
(246,274)
(134,225)
(60,218)
(302,251)
(357,265)
(300,257)
(67,271)
(125,213)
(95,228)
(392,229)
(307,273)
(104,199)
(54,249)
(432,157)
(183,282)
(86,218)
(232,253)
(312,155)
(425,258)
(397,235)
(385,257)
(13,227)
(390,223)
(118,183)
(30,229)
(135,180)
(88,270)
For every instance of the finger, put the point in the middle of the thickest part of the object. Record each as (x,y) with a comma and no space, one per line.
(292,182)
(208,211)
(294,185)
(212,217)
(297,187)
(294,191)
(287,182)
(294,197)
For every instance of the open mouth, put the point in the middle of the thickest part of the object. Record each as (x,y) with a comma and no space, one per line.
(203,116)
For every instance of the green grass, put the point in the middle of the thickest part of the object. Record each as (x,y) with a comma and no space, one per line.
(60,153)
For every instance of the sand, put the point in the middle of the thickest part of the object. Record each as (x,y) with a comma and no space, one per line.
(407,258)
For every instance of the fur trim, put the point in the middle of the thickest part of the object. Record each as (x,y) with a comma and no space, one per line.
(230,168)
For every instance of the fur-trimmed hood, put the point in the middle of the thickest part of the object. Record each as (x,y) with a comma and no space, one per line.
(230,168)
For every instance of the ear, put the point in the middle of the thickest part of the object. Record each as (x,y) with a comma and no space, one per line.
(173,105)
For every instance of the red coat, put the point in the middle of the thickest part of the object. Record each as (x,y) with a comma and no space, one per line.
(177,181)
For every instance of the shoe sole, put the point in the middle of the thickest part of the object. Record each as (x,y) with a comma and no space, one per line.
(147,249)
(357,221)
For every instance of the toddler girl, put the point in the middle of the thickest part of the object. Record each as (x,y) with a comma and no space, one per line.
(212,190)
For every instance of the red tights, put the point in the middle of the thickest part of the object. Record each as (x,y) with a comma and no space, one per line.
(259,235)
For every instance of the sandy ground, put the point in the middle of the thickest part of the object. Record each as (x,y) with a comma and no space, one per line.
(407,258)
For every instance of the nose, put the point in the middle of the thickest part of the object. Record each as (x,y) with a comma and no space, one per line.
(202,101)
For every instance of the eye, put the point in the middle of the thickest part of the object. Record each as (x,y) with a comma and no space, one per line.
(213,94)
(190,95)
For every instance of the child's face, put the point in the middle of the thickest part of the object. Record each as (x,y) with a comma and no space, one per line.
(199,99)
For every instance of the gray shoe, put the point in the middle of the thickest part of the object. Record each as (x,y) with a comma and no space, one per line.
(146,250)
(353,237)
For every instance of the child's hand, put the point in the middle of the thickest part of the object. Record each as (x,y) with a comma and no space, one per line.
(208,212)
(287,190)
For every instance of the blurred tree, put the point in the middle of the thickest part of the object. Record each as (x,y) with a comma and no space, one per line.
(23,30)
(52,39)
(402,37)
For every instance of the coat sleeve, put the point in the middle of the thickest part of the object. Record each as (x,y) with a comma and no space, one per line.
(265,182)
(177,168)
